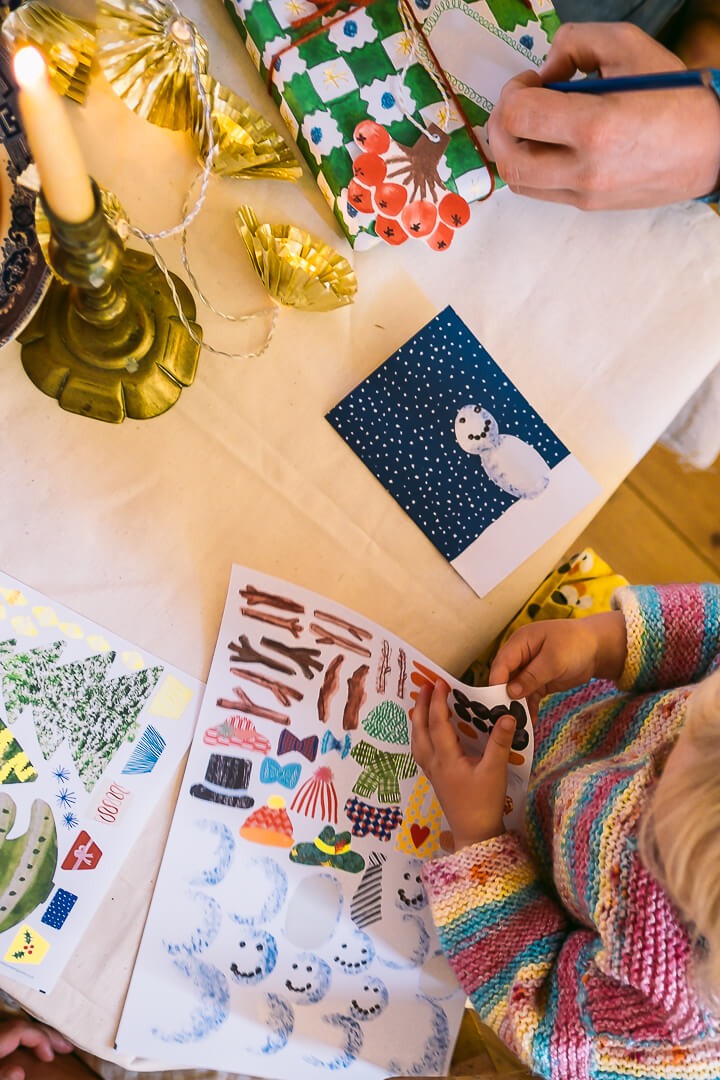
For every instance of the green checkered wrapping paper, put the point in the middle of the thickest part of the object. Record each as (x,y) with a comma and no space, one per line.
(352,71)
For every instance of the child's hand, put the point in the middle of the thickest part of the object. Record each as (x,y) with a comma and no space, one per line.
(471,791)
(559,654)
(44,1041)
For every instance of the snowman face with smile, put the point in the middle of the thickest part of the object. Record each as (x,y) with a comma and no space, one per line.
(475,429)
(308,980)
(257,956)
(410,893)
(370,1000)
(352,955)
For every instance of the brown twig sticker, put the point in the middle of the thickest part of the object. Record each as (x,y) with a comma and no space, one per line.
(306,659)
(355,698)
(329,687)
(357,632)
(282,691)
(244,653)
(291,623)
(402,673)
(383,667)
(242,703)
(328,637)
(253,596)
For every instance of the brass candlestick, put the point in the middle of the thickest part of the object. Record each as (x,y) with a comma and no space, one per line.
(109,343)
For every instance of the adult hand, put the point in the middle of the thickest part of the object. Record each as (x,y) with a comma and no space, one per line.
(559,654)
(44,1041)
(607,151)
(470,790)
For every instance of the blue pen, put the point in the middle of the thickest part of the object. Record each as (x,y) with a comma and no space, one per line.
(666,80)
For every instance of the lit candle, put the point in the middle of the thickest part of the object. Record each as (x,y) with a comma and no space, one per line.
(64,178)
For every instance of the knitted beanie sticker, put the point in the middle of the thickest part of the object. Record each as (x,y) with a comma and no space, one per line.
(388,723)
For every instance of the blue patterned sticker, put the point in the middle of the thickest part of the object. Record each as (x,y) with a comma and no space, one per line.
(59,908)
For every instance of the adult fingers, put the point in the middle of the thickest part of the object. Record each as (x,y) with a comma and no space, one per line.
(611,48)
(420,744)
(497,750)
(442,733)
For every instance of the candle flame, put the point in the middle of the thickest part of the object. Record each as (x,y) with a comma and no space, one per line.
(29,67)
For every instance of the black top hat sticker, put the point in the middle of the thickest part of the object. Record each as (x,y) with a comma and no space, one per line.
(224,776)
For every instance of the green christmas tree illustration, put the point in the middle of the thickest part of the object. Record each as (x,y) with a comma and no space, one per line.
(76,702)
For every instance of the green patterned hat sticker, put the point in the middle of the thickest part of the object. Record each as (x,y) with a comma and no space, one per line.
(387,722)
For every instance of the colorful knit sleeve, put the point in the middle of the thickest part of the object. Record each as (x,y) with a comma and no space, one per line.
(673,634)
(503,934)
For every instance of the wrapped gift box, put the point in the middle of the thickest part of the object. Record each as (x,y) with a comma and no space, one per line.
(359,63)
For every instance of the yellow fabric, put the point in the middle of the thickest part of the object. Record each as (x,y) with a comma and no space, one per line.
(581,585)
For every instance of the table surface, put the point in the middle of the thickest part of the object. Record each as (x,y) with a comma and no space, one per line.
(606,322)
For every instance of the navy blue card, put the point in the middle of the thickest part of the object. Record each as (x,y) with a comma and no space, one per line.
(467,457)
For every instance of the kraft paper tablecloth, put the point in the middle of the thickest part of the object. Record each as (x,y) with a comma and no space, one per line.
(606,322)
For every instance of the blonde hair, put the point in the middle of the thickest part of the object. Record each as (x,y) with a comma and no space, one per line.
(687,813)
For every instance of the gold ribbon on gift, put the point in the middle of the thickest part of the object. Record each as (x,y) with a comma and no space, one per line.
(67,44)
(297,269)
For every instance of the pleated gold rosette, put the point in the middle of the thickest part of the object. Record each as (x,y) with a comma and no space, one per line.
(67,44)
(297,269)
(145,50)
(246,144)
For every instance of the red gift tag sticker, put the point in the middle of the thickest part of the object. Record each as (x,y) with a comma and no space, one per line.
(84,854)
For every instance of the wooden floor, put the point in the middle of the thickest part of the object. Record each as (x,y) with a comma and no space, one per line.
(662,525)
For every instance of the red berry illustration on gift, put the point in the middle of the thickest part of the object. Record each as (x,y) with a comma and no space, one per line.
(390,230)
(441,238)
(389,198)
(360,197)
(403,184)
(454,210)
(369,169)
(371,136)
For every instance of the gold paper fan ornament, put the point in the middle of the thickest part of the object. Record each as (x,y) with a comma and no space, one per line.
(297,269)
(146,51)
(246,144)
(67,44)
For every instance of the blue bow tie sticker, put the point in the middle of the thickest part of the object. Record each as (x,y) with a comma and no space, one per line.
(329,743)
(273,773)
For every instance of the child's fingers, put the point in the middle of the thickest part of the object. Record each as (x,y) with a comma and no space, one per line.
(442,733)
(515,654)
(497,751)
(420,744)
(59,1043)
(20,1032)
(12,1072)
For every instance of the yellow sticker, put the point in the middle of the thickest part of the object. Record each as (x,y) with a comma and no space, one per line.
(419,833)
(28,947)
(71,629)
(23,624)
(14,597)
(132,660)
(97,641)
(171,699)
(45,616)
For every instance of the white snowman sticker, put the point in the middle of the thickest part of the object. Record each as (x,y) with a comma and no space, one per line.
(514,465)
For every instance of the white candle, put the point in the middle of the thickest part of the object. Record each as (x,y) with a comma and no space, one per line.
(64,178)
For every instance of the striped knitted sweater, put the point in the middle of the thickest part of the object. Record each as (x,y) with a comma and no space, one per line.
(566,945)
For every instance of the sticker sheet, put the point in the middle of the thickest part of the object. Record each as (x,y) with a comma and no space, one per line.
(289,932)
(91,732)
(466,456)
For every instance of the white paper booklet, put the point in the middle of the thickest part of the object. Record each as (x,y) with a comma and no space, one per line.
(289,932)
(91,732)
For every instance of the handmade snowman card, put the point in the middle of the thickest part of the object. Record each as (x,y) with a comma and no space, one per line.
(289,933)
(92,731)
(444,430)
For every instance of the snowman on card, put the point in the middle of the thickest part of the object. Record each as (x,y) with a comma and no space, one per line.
(445,431)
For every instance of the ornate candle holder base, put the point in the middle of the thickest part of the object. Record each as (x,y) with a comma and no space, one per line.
(110,344)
